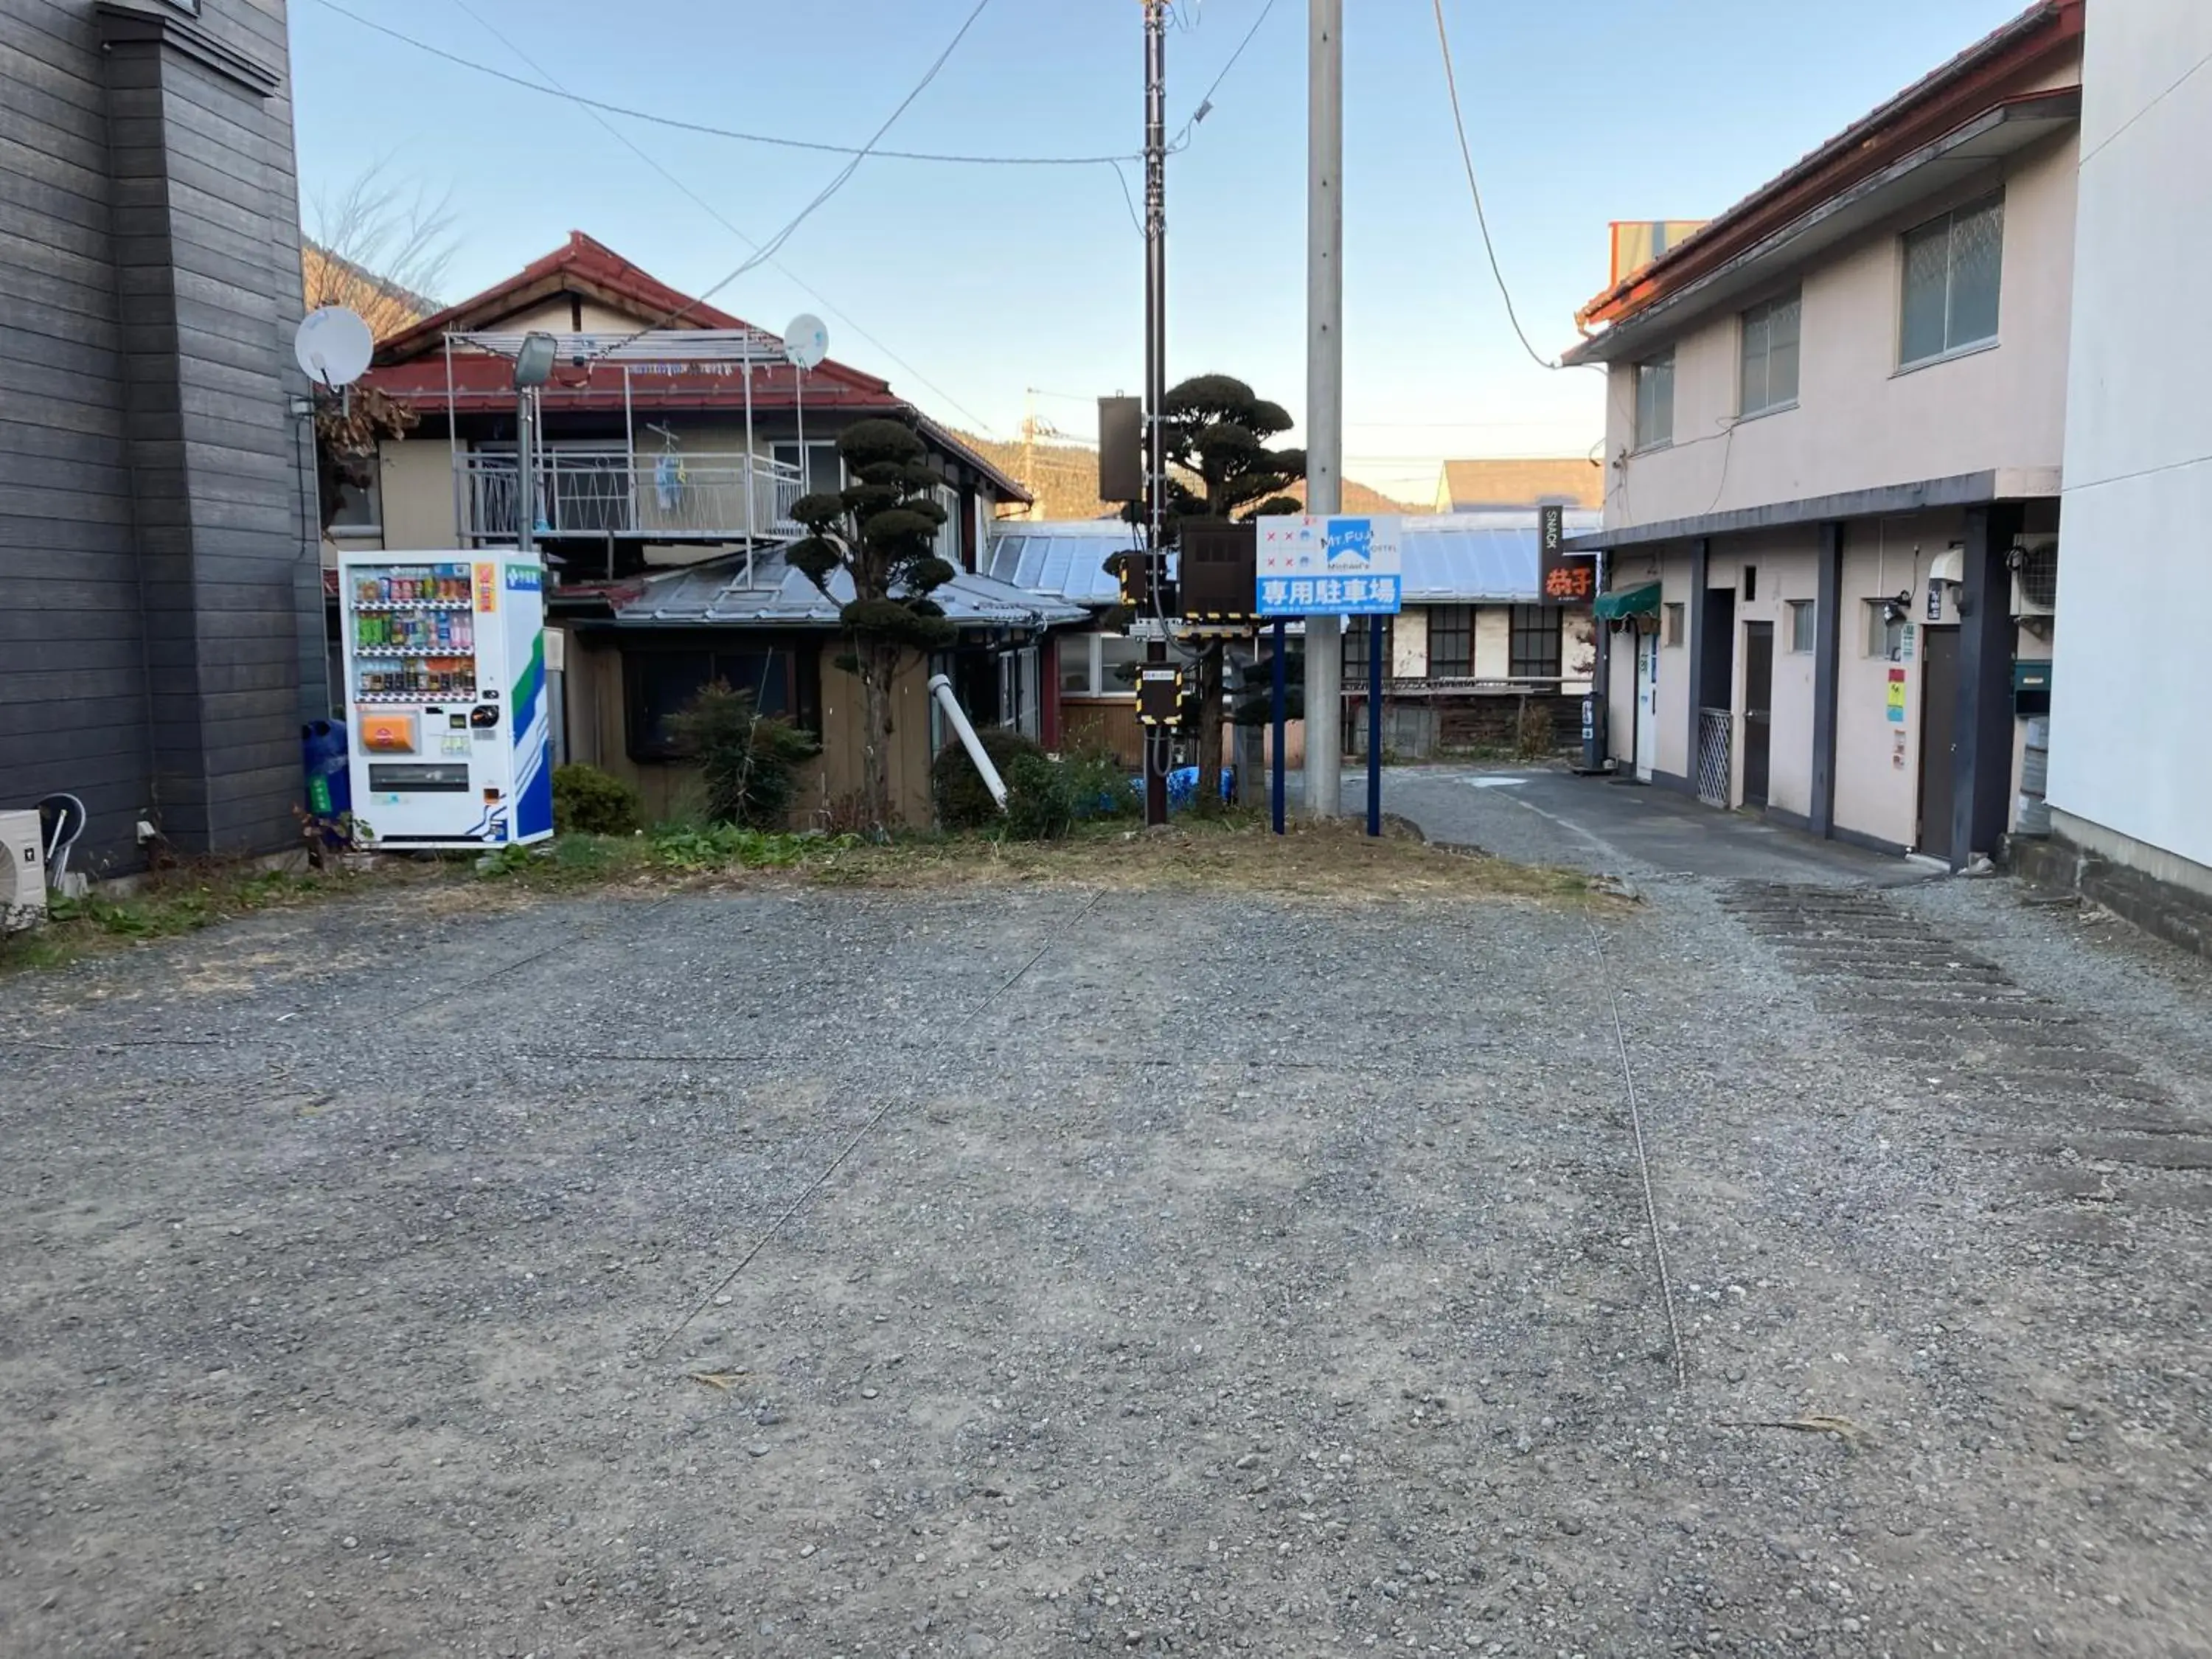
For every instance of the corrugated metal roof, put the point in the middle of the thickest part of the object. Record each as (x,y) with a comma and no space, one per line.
(1450,558)
(718,593)
(1066,560)
(1478,558)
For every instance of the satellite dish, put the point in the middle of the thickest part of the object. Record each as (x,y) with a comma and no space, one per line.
(333,346)
(806,342)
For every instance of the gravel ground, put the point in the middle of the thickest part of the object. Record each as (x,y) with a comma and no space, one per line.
(1249,1276)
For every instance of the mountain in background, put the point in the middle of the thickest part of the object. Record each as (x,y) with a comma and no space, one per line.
(1064,480)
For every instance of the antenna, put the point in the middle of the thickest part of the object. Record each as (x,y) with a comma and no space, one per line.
(806,344)
(333,346)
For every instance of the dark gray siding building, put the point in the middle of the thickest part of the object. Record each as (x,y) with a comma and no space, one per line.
(159,582)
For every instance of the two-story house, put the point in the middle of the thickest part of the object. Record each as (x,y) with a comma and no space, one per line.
(672,442)
(1836,416)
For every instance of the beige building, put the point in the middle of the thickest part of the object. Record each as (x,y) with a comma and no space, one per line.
(1835,422)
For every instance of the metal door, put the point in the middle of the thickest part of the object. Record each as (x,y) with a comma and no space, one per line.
(1939,707)
(1758,710)
(1647,705)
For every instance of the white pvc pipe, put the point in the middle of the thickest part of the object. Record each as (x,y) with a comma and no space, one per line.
(941,689)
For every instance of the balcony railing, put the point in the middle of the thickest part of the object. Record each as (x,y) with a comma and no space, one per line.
(589,493)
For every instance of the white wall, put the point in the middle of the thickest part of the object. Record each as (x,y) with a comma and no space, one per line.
(2129,689)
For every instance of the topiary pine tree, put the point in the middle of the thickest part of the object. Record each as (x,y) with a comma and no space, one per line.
(1217,431)
(880,533)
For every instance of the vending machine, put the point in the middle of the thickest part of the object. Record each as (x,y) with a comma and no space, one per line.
(445,668)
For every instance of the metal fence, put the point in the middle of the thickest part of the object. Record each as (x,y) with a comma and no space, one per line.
(603,493)
(1716,755)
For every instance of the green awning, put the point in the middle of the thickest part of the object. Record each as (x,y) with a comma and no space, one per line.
(1629,602)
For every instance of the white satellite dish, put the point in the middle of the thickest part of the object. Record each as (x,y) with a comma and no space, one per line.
(333,346)
(806,342)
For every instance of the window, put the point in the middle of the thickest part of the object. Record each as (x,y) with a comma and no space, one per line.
(1451,642)
(1654,400)
(1800,626)
(825,468)
(360,510)
(1078,671)
(1357,631)
(1952,267)
(1769,377)
(663,684)
(1535,642)
(1750,583)
(1099,665)
(1674,634)
(1887,631)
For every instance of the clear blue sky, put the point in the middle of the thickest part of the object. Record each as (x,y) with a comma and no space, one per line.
(990,281)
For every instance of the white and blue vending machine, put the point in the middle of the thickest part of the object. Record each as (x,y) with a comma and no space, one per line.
(446,689)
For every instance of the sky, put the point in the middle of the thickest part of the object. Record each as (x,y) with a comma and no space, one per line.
(989,294)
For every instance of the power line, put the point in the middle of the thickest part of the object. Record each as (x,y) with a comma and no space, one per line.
(680,125)
(708,207)
(1451,84)
(1206,104)
(776,243)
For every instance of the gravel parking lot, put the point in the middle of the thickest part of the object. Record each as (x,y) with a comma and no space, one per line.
(1200,1276)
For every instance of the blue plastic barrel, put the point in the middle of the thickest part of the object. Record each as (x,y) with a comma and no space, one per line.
(330,780)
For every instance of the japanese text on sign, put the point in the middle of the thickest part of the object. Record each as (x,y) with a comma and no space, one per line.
(1311,565)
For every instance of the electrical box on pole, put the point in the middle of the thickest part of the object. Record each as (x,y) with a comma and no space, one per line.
(1121,449)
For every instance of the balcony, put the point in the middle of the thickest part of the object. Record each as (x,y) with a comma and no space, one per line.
(598,494)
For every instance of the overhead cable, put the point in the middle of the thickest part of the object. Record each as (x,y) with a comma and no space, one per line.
(769,249)
(722,219)
(681,125)
(1481,218)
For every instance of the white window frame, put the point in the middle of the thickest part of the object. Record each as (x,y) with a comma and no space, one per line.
(1948,223)
(1803,621)
(1757,322)
(1675,625)
(374,494)
(788,451)
(1885,641)
(1644,439)
(1095,658)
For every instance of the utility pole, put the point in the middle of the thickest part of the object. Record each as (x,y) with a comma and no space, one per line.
(1155,373)
(1325,389)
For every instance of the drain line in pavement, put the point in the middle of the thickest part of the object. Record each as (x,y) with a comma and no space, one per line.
(860,1135)
(1643,1158)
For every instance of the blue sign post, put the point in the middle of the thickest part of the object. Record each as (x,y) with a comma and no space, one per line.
(1281,713)
(1310,566)
(1375,726)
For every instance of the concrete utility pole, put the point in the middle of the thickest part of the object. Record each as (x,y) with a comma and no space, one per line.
(1156,367)
(1324,770)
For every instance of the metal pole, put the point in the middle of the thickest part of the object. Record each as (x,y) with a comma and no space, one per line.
(1375,724)
(1324,773)
(525,470)
(464,531)
(1282,721)
(752,471)
(629,449)
(1156,369)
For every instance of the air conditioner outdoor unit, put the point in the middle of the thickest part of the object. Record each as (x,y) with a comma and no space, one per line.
(23,883)
(2035,576)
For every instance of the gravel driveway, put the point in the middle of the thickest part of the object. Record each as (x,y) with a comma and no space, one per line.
(1198,1277)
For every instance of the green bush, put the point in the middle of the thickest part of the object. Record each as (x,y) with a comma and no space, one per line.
(748,760)
(1041,802)
(962,802)
(588,802)
(1098,786)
